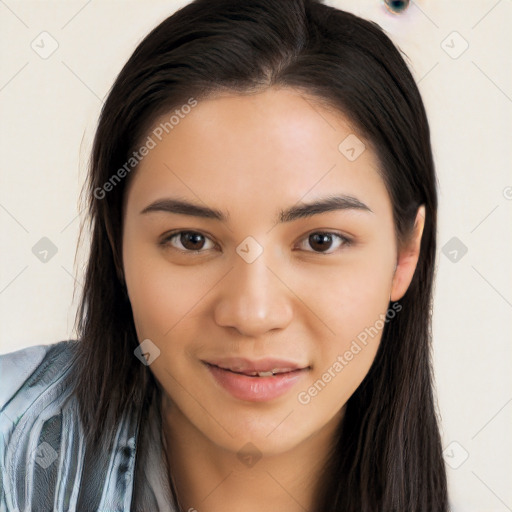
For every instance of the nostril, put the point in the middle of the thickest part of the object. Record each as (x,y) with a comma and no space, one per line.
(397,6)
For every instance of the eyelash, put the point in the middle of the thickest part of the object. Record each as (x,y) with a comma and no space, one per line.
(166,241)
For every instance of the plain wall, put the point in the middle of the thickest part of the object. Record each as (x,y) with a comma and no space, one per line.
(49,105)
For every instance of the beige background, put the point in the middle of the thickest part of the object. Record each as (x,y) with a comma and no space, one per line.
(49,105)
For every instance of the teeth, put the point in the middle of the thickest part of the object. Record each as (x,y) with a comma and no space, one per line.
(269,373)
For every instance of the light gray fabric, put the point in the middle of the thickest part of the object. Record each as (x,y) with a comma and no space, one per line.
(44,463)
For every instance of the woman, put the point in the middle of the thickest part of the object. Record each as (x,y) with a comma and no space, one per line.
(254,330)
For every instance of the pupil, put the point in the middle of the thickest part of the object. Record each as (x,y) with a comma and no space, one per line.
(322,240)
(192,238)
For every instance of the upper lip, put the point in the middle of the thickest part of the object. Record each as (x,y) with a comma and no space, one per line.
(241,365)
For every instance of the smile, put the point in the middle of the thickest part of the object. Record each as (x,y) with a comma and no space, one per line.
(265,373)
(256,382)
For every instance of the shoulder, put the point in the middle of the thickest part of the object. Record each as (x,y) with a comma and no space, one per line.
(31,367)
(36,416)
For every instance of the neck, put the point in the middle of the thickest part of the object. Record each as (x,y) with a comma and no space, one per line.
(209,478)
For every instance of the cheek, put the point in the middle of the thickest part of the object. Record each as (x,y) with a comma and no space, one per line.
(161,298)
(353,295)
(355,309)
(364,298)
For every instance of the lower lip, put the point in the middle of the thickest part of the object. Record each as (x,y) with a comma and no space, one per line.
(255,389)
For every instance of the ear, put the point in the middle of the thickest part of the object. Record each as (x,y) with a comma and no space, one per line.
(407,258)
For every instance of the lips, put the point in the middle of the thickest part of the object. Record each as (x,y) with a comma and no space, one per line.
(261,368)
(261,373)
(256,381)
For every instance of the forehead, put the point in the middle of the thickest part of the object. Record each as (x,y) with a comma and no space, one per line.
(253,150)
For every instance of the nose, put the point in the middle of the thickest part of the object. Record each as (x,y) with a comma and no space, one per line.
(254,299)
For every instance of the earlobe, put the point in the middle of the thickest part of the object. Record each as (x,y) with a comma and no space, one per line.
(407,258)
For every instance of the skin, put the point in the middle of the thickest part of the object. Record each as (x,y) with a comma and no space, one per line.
(251,156)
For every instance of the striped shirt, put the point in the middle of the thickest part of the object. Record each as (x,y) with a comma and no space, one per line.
(44,462)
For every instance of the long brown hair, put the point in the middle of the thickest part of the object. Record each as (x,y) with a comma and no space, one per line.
(388,451)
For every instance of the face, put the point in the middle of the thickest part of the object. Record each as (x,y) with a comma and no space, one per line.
(266,310)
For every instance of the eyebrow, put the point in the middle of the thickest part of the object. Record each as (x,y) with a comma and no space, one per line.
(298,211)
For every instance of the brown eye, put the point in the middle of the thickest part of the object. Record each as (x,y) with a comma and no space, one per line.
(188,241)
(322,242)
(192,241)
